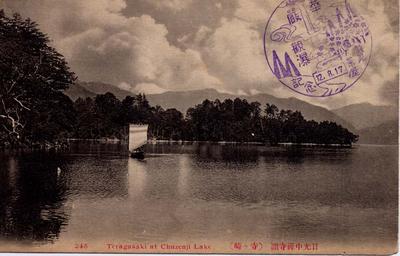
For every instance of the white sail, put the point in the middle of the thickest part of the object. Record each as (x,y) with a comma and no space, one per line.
(137,136)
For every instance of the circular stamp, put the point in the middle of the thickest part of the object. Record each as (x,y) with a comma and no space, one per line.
(318,48)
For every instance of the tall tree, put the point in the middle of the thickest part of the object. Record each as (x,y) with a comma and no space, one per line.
(32,77)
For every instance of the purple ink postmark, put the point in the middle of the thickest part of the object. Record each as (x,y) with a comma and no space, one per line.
(318,48)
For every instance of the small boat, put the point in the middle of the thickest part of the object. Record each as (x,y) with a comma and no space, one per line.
(137,139)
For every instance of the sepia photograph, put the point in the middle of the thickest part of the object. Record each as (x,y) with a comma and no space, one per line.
(199,126)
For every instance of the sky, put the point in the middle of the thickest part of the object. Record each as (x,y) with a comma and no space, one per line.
(155,46)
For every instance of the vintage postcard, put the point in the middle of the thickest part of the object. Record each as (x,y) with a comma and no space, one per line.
(199,126)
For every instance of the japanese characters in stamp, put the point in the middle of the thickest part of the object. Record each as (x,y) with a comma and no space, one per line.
(317,48)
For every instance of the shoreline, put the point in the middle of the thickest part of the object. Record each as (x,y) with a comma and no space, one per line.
(65,144)
(152,141)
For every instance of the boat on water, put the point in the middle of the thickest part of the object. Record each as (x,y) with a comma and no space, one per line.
(137,139)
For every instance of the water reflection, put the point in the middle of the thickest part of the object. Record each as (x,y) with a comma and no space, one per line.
(197,191)
(32,197)
(102,176)
(230,153)
(183,176)
(136,177)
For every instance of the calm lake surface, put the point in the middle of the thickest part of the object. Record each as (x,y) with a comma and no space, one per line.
(338,198)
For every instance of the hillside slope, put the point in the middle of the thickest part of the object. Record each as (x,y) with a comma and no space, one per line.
(366,115)
(386,133)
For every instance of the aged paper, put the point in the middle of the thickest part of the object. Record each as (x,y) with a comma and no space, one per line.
(199,126)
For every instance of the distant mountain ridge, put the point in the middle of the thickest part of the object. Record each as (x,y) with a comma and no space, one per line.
(386,134)
(189,99)
(102,88)
(366,115)
(77,91)
(182,100)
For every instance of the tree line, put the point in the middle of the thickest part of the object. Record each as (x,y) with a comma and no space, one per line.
(34,110)
(231,120)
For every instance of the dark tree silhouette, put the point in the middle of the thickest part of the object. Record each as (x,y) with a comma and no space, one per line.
(231,120)
(32,77)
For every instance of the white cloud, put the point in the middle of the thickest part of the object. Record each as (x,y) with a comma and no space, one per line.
(383,68)
(101,44)
(234,52)
(174,5)
(148,88)
(124,86)
(241,92)
(202,34)
(254,92)
(255,11)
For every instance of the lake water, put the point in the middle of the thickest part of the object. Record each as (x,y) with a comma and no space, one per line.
(344,200)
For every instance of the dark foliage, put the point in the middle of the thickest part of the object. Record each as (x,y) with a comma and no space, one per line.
(230,120)
(33,108)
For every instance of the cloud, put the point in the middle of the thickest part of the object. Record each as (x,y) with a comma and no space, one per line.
(204,44)
(234,53)
(254,92)
(61,19)
(148,88)
(125,86)
(382,72)
(174,5)
(102,44)
(255,12)
(390,91)
(233,50)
